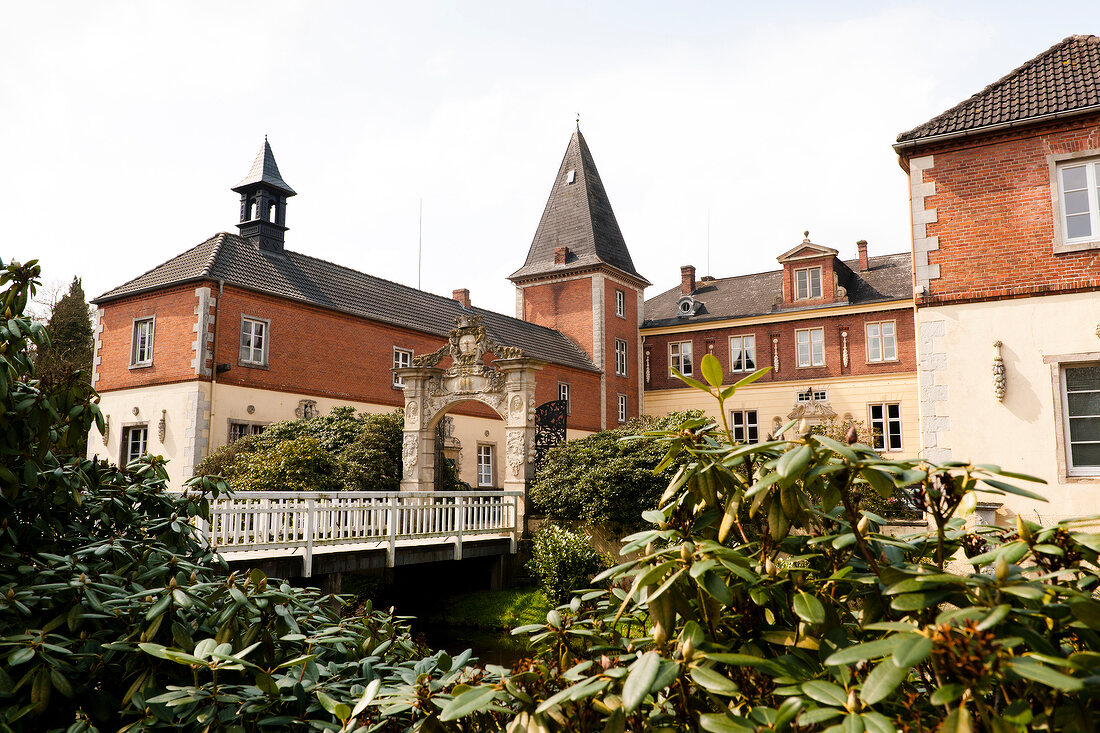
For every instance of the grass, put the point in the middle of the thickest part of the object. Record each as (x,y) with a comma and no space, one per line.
(496,610)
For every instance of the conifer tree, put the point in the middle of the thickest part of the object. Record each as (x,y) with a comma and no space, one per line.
(71,344)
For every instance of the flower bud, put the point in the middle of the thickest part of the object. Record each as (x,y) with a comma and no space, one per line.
(863,524)
(1023,529)
(852,436)
(769,567)
(1002,569)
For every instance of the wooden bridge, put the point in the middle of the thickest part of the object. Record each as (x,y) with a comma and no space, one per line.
(355,530)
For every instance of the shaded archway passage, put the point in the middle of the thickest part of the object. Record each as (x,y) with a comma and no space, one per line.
(507,386)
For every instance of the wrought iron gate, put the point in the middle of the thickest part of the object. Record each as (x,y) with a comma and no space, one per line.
(550,423)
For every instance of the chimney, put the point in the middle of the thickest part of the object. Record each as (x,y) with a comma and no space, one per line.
(687,279)
(560,253)
(462,296)
(861,245)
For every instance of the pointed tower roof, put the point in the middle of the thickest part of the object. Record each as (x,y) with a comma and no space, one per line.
(265,171)
(578,216)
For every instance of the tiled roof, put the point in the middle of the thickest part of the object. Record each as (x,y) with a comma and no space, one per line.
(265,170)
(887,278)
(1064,78)
(578,215)
(287,274)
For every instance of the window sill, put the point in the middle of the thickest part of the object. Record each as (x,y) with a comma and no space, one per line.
(810,366)
(1080,478)
(1071,247)
(869,362)
(143,365)
(253,365)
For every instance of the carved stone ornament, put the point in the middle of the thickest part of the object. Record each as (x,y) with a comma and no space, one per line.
(647,366)
(408,452)
(306,409)
(812,410)
(844,347)
(412,415)
(514,451)
(467,345)
(1000,383)
(162,426)
(515,408)
(775,354)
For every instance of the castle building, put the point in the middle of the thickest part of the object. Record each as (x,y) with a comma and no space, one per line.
(238,332)
(1005,195)
(836,334)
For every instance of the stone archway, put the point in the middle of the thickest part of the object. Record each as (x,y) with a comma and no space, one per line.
(507,385)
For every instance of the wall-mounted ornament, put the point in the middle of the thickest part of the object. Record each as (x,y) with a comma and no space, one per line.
(1098,330)
(775,354)
(844,348)
(135,410)
(306,409)
(106,429)
(250,409)
(1000,383)
(647,366)
(162,426)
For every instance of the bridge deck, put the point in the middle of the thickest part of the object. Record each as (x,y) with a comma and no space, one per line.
(264,525)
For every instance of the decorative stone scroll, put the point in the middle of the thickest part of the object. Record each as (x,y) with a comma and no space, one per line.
(1000,382)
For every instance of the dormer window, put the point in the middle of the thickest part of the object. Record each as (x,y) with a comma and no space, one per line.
(686,306)
(807,283)
(571,176)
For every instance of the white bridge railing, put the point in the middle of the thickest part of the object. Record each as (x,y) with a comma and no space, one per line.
(282,520)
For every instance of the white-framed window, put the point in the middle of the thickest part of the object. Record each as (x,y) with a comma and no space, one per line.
(238,430)
(485,465)
(1080,387)
(882,344)
(679,357)
(622,408)
(254,340)
(744,426)
(620,357)
(807,283)
(141,346)
(401,358)
(810,343)
(135,442)
(563,394)
(885,426)
(620,304)
(742,353)
(813,395)
(1079,200)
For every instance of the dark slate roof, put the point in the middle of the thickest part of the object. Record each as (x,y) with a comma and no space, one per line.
(578,215)
(888,277)
(1064,78)
(287,274)
(265,170)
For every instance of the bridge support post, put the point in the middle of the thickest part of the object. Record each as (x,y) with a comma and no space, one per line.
(460,524)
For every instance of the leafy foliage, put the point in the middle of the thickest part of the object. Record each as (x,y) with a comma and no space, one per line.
(341,450)
(607,478)
(821,623)
(562,560)
(114,616)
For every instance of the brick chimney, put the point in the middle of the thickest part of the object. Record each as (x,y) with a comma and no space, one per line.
(861,245)
(462,296)
(687,279)
(560,254)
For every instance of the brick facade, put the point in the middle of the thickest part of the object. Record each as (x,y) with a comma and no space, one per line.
(990,212)
(717,342)
(564,305)
(624,328)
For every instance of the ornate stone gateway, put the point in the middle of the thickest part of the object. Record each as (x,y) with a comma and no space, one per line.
(551,420)
(507,385)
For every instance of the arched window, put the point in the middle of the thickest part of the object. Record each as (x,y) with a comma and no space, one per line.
(252,211)
(271,212)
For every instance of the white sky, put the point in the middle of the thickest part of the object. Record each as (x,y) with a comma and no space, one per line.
(123,125)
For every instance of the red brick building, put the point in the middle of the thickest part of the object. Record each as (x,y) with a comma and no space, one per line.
(836,334)
(239,331)
(1005,192)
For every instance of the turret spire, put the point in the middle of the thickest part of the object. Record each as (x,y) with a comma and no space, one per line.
(263,201)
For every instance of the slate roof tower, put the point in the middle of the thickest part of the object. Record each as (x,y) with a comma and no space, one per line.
(580,279)
(263,202)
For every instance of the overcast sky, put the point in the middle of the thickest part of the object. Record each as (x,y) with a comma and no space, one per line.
(123,125)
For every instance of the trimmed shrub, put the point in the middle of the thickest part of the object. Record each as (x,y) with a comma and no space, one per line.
(562,560)
(608,478)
